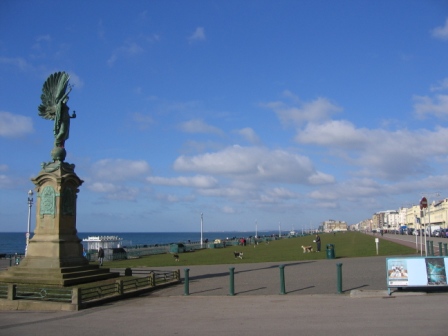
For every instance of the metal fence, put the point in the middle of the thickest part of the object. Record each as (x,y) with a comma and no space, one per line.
(80,295)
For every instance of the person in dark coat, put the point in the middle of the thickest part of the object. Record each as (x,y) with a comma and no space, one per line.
(317,240)
(100,256)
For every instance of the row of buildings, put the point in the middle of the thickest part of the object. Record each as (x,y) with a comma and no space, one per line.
(436,214)
(333,226)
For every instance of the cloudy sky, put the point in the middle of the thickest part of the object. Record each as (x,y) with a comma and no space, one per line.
(254,113)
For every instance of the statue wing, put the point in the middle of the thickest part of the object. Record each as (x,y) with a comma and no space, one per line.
(53,91)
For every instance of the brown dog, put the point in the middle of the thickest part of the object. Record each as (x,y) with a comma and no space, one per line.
(307,249)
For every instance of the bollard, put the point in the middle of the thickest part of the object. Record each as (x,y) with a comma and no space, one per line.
(187,282)
(232,281)
(282,279)
(428,249)
(339,278)
(445,248)
(440,249)
(431,246)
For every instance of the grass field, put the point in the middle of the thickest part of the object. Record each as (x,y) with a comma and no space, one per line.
(346,245)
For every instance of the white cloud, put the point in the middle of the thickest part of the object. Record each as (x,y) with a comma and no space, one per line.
(378,153)
(14,125)
(119,169)
(6,182)
(228,210)
(17,62)
(75,80)
(175,198)
(128,49)
(441,86)
(198,181)
(321,178)
(250,135)
(437,106)
(198,35)
(251,163)
(281,193)
(143,120)
(101,32)
(198,126)
(317,110)
(333,133)
(441,32)
(113,191)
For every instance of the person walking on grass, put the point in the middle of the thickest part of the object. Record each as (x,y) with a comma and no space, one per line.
(100,256)
(317,240)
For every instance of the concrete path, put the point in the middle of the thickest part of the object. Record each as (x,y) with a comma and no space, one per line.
(241,315)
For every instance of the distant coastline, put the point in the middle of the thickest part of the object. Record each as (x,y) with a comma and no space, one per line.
(14,242)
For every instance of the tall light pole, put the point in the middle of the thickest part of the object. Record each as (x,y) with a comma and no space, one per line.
(202,223)
(256,229)
(436,194)
(30,204)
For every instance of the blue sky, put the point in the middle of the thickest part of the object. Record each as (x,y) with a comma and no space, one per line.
(254,113)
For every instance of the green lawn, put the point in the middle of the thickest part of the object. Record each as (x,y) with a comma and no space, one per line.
(346,245)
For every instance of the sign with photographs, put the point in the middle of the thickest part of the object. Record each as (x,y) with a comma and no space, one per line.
(418,272)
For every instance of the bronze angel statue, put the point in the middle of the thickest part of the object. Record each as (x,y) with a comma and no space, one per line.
(54,107)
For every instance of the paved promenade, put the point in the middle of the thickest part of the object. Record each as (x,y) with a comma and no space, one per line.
(309,307)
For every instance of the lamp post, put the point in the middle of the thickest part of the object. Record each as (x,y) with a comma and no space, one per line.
(435,194)
(30,204)
(202,223)
(256,229)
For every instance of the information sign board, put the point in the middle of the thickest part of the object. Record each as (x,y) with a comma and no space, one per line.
(416,272)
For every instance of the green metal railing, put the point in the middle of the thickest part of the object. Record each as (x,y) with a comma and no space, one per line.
(23,292)
(78,296)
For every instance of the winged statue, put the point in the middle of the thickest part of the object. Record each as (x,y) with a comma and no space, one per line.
(54,107)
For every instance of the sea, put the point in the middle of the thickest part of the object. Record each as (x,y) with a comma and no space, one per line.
(15,242)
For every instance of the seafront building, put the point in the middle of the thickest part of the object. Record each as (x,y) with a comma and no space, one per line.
(333,226)
(435,215)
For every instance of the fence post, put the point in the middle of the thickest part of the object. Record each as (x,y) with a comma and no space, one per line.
(232,281)
(76,296)
(431,244)
(12,288)
(153,279)
(445,248)
(119,286)
(440,249)
(282,279)
(339,278)
(187,282)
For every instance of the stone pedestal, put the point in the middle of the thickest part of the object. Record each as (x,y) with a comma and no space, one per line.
(55,253)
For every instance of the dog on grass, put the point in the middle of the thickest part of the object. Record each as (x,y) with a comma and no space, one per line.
(238,255)
(176,257)
(307,249)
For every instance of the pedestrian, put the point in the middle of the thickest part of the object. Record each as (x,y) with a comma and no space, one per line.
(317,240)
(100,256)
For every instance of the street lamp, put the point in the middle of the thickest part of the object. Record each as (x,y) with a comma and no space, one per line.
(436,194)
(202,222)
(30,204)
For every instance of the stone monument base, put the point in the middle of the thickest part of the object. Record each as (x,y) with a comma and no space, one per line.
(60,277)
(54,255)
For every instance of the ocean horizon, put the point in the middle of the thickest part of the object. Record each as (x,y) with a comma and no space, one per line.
(15,242)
